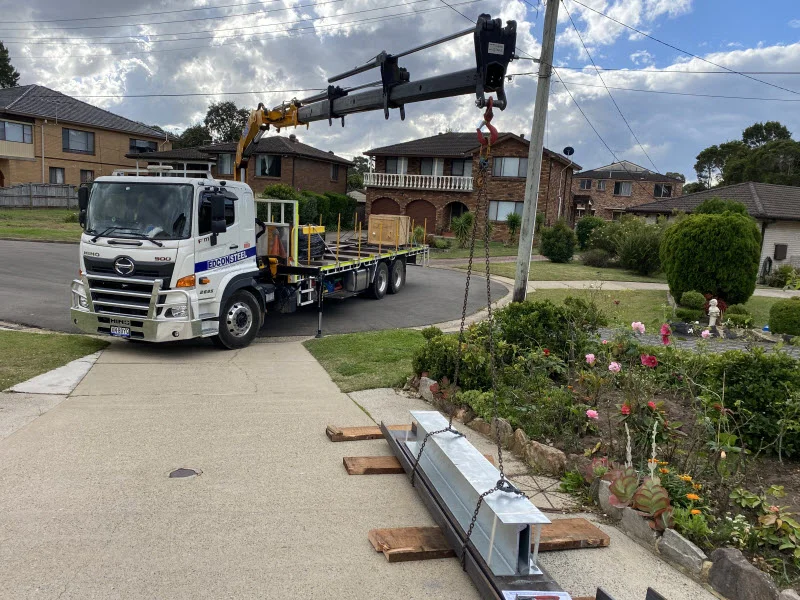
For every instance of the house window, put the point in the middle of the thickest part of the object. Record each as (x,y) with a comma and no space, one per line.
(507,166)
(397,165)
(141,146)
(56,175)
(268,165)
(616,215)
(622,188)
(87,176)
(662,190)
(432,166)
(586,184)
(462,168)
(579,212)
(498,211)
(16,132)
(334,172)
(225,164)
(74,140)
(601,185)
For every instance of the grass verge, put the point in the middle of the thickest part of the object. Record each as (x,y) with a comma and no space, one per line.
(362,361)
(495,249)
(39,224)
(27,355)
(549,271)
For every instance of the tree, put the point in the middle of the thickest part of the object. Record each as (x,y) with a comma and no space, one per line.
(361,165)
(718,206)
(558,242)
(196,135)
(777,161)
(355,181)
(225,121)
(513,223)
(695,186)
(711,162)
(675,175)
(759,134)
(9,76)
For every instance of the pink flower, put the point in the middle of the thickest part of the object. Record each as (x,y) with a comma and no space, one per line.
(774,509)
(546,352)
(648,360)
(665,329)
(605,342)
(592,414)
(625,410)
(615,367)
(590,358)
(651,405)
(638,326)
(706,334)
(665,340)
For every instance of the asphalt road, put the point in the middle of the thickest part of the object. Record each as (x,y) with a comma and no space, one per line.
(35,279)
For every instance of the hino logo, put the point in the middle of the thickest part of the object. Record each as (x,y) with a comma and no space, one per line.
(124,265)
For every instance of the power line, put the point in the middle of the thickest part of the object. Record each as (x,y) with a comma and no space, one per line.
(183,95)
(668,45)
(288,32)
(659,71)
(610,95)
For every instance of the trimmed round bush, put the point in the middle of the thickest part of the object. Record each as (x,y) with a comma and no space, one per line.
(596,257)
(716,254)
(638,249)
(584,228)
(718,206)
(784,317)
(693,299)
(689,315)
(558,242)
(738,320)
(736,309)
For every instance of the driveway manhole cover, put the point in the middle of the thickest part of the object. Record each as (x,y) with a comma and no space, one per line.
(184,473)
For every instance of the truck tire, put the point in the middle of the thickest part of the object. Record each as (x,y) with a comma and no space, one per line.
(380,283)
(239,321)
(397,276)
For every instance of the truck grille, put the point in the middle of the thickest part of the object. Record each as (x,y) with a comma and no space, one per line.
(128,296)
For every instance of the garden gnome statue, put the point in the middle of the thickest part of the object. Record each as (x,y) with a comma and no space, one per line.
(713,312)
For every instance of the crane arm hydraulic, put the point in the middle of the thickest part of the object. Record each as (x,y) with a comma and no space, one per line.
(494,49)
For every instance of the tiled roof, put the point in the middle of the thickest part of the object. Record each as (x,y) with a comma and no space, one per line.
(42,102)
(626,175)
(451,144)
(763,200)
(179,154)
(280,144)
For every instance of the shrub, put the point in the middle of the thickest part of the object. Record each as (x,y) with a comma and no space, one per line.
(280,191)
(781,276)
(513,223)
(339,204)
(461,227)
(737,309)
(784,316)
(418,234)
(71,218)
(738,320)
(596,257)
(431,332)
(558,242)
(718,206)
(438,357)
(584,228)
(606,237)
(712,253)
(308,211)
(693,299)
(638,250)
(689,315)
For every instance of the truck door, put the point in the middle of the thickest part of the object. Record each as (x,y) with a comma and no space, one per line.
(215,260)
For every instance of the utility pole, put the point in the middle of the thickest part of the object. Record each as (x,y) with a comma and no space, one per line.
(535,152)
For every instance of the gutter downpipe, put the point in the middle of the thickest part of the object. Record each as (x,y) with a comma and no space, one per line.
(44,122)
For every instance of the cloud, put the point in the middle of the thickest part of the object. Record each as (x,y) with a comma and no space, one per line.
(642,57)
(794,23)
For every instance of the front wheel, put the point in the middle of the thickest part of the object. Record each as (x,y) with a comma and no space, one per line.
(239,321)
(380,283)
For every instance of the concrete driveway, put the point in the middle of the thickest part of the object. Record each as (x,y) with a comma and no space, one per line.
(87,509)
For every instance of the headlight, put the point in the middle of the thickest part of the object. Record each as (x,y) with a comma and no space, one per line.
(179,311)
(83,302)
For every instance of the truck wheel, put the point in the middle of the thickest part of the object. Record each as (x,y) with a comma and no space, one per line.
(380,284)
(239,321)
(397,276)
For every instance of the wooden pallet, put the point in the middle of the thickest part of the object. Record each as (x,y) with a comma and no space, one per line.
(379,465)
(354,434)
(402,544)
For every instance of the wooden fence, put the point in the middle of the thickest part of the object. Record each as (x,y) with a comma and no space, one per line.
(39,195)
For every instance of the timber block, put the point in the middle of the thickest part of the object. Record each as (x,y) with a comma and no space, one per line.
(403,544)
(354,434)
(571,534)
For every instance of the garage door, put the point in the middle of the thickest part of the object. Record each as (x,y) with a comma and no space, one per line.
(384,206)
(419,211)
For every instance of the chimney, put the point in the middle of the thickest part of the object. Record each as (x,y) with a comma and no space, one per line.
(522,135)
(330,151)
(292,137)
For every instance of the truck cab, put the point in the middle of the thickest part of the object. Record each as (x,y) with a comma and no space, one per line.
(169,258)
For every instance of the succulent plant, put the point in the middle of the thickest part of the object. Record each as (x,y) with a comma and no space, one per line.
(624,487)
(663,520)
(651,498)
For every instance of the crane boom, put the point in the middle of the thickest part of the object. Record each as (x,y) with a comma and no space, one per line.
(494,49)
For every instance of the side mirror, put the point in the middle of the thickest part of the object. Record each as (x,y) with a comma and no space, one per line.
(218,224)
(83,204)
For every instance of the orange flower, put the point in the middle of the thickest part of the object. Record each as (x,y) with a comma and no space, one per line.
(664,471)
(686,478)
(697,486)
(695,511)
(652,461)
(663,463)
(692,497)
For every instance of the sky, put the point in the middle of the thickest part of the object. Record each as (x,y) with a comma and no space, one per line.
(214,47)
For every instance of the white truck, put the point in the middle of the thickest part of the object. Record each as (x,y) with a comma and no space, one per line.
(171,258)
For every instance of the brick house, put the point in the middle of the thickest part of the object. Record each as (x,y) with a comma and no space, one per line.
(275,159)
(80,141)
(607,191)
(431,180)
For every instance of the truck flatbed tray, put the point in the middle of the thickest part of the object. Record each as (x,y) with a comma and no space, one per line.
(350,258)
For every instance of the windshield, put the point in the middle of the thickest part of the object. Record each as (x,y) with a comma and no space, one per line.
(152,210)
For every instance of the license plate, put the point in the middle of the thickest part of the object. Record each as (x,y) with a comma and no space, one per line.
(121,331)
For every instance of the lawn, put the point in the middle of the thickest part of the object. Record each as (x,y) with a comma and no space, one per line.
(26,355)
(495,249)
(573,271)
(45,224)
(362,361)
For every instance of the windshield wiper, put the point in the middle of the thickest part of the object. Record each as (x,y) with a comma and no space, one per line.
(142,236)
(104,232)
(134,234)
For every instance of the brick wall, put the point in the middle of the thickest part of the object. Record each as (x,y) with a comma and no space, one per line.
(511,189)
(301,174)
(605,202)
(110,149)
